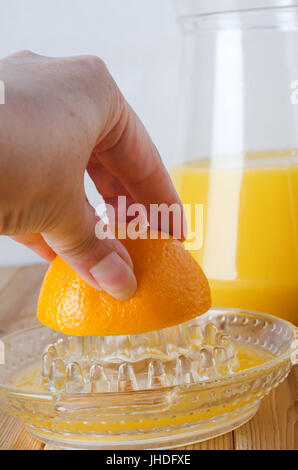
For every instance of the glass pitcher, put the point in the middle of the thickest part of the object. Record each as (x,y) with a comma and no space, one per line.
(238,152)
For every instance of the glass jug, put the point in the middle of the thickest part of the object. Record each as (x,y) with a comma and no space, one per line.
(238,152)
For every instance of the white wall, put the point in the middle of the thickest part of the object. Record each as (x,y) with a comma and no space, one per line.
(139,41)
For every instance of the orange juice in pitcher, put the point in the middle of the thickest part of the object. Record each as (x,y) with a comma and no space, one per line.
(237,152)
(250,245)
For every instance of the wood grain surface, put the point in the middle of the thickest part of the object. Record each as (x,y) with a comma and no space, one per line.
(275,426)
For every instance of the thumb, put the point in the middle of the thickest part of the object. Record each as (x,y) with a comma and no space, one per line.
(104,264)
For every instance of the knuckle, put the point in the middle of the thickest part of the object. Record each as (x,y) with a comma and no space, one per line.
(24,53)
(100,81)
(93,63)
(78,247)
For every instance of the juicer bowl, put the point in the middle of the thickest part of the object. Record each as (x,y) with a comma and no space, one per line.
(160,417)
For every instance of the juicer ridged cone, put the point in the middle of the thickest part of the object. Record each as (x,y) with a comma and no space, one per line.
(179,355)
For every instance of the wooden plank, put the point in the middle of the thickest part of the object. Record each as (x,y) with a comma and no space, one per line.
(15,436)
(275,426)
(11,428)
(19,295)
(225,442)
(24,441)
(6,274)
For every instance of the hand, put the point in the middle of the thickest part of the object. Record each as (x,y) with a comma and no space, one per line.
(63,116)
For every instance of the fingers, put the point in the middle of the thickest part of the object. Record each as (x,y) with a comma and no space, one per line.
(104,264)
(133,160)
(36,243)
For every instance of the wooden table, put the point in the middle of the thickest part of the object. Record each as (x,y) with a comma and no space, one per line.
(274,427)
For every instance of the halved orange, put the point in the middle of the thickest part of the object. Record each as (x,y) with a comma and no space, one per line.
(172,289)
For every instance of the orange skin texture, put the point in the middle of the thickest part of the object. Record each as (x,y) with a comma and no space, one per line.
(172,289)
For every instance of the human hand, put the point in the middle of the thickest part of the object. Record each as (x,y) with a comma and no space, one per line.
(63,116)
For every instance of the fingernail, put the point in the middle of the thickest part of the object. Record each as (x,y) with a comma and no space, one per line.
(114,276)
